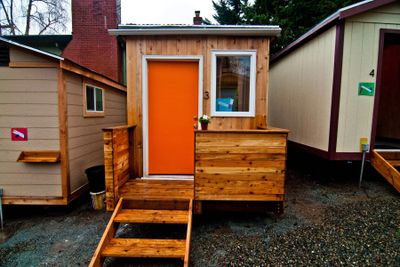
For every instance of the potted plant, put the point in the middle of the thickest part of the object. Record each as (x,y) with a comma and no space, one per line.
(204,121)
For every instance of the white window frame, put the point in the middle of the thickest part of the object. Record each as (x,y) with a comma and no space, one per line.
(252,88)
(91,113)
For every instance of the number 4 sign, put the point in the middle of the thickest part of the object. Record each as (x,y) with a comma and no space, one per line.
(19,134)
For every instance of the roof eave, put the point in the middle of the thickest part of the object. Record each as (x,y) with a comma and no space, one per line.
(259,31)
(31,49)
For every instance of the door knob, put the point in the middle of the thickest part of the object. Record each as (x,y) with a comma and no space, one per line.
(195,118)
(195,126)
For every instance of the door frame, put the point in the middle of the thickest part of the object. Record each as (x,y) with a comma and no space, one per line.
(378,87)
(145,107)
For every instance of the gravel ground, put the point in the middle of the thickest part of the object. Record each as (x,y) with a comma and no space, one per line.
(328,221)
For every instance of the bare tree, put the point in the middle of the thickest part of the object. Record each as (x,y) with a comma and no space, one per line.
(37,16)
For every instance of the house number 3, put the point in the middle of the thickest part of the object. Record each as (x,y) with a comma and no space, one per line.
(206,95)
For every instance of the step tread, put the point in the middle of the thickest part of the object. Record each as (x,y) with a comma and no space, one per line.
(152,216)
(144,248)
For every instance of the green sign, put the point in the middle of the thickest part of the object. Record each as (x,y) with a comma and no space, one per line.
(366,89)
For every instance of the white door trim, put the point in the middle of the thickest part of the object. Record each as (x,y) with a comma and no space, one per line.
(145,59)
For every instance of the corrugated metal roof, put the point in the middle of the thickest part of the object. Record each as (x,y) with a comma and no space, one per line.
(184,29)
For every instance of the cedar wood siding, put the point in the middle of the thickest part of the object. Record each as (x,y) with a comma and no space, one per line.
(85,137)
(136,47)
(301,91)
(360,56)
(29,98)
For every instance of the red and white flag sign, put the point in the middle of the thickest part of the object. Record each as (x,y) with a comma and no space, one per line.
(19,134)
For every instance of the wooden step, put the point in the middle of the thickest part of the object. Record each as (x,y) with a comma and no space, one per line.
(145,248)
(152,216)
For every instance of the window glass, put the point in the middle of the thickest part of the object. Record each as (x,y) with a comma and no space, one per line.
(89,98)
(233,83)
(99,99)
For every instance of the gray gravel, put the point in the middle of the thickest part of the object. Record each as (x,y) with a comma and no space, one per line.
(328,221)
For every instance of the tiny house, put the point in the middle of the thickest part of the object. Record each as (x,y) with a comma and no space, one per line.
(51,115)
(162,166)
(338,83)
(337,87)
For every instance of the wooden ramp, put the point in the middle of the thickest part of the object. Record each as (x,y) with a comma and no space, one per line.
(149,202)
(387,163)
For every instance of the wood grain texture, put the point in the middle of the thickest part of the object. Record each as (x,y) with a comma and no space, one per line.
(145,248)
(240,166)
(117,158)
(381,161)
(63,131)
(152,216)
(136,47)
(109,233)
(139,189)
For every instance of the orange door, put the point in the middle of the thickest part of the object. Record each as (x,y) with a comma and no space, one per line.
(172,106)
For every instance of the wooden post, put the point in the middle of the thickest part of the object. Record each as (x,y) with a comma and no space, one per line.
(118,158)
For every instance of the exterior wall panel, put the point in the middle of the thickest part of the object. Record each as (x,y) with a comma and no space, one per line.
(28,98)
(85,137)
(301,91)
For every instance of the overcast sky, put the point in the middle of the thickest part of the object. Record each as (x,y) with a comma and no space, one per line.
(164,11)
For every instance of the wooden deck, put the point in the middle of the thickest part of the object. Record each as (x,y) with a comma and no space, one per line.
(146,189)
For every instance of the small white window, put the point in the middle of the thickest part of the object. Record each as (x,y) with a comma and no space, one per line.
(233,83)
(94,100)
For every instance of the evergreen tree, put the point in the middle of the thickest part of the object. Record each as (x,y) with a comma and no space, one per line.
(294,16)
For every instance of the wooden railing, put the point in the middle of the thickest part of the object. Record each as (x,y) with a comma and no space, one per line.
(118,158)
(240,165)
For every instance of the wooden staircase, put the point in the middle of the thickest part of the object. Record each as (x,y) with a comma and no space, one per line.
(112,246)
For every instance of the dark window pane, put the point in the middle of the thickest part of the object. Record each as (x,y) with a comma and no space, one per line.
(89,98)
(233,83)
(4,55)
(99,99)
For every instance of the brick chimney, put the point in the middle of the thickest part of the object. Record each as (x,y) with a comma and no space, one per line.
(91,45)
(197,20)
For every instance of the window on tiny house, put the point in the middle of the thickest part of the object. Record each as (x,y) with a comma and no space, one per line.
(233,83)
(94,100)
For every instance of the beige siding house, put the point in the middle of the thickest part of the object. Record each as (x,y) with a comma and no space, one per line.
(46,95)
(321,84)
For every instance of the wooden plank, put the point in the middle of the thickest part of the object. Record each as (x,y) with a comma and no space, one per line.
(24,200)
(186,259)
(138,189)
(222,163)
(63,124)
(235,187)
(244,176)
(243,150)
(39,156)
(109,170)
(145,248)
(31,64)
(390,173)
(152,216)
(75,68)
(243,197)
(239,156)
(108,234)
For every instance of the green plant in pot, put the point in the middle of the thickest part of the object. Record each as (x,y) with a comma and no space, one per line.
(204,121)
